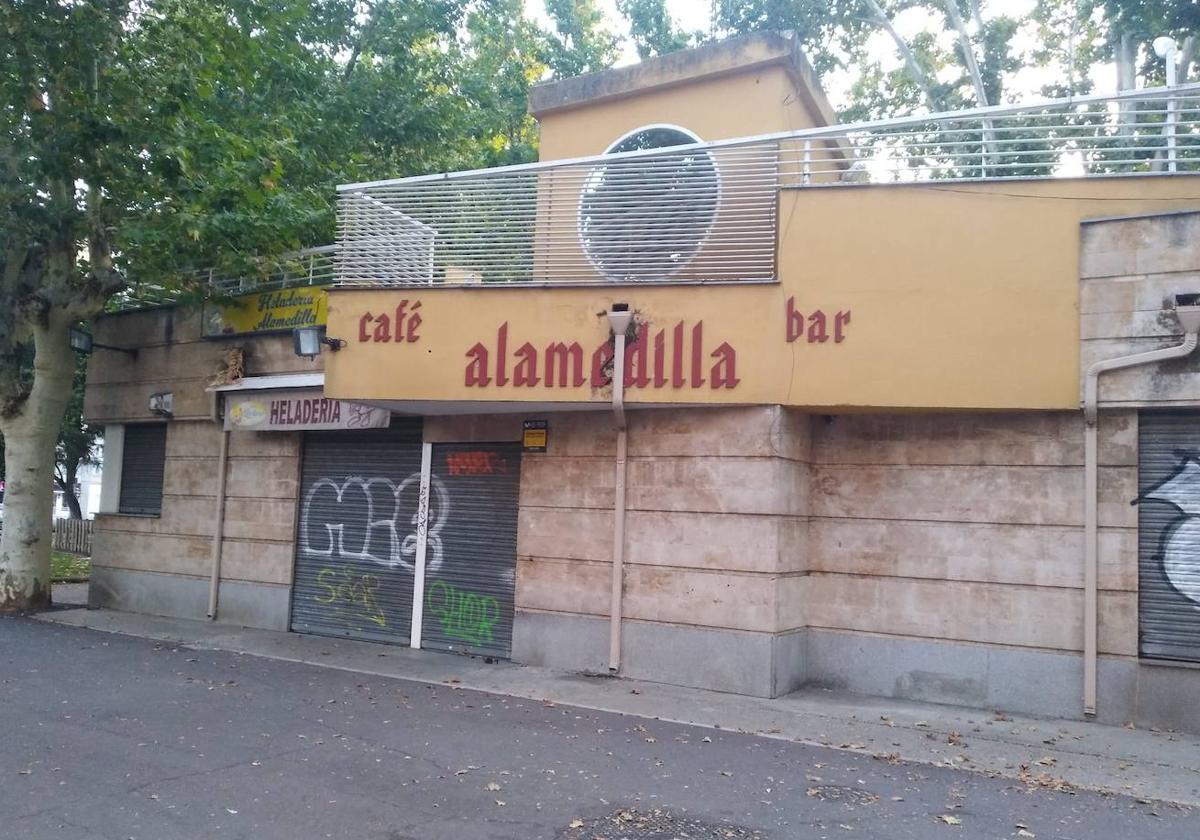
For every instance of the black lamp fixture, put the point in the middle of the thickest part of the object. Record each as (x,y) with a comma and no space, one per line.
(307,341)
(81,341)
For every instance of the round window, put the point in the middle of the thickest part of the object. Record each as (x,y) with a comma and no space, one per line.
(646,217)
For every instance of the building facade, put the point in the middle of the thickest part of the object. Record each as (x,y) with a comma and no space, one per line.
(844,447)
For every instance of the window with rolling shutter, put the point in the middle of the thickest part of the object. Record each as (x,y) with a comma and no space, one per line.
(142,462)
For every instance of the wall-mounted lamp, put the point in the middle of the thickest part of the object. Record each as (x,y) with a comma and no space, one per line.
(81,341)
(307,341)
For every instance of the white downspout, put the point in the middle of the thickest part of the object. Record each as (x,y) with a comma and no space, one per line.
(214,583)
(1189,317)
(619,318)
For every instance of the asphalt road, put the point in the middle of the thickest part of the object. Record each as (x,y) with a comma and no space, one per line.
(106,736)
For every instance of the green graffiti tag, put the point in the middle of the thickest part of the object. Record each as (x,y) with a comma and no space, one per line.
(355,599)
(464,615)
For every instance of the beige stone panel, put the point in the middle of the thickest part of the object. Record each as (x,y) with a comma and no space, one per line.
(695,540)
(265,444)
(1016,495)
(580,434)
(269,478)
(260,518)
(1132,293)
(567,482)
(570,586)
(1010,439)
(701,598)
(1146,323)
(708,432)
(181,516)
(129,403)
(699,431)
(794,544)
(1013,554)
(261,355)
(148,326)
(734,542)
(1154,244)
(792,434)
(718,485)
(1011,615)
(192,439)
(257,561)
(1108,294)
(476,428)
(152,552)
(191,360)
(190,476)
(1175,381)
(791,600)
(565,533)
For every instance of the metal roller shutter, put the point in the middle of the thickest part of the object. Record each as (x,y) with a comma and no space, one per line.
(142,461)
(1169,535)
(471,558)
(356,536)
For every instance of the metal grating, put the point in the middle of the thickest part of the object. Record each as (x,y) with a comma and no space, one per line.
(706,212)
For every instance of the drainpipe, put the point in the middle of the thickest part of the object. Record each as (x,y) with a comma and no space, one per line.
(1187,308)
(214,583)
(619,318)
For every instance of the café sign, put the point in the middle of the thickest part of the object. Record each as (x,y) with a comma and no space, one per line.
(292,411)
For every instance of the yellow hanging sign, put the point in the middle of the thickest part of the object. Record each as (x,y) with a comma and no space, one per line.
(265,312)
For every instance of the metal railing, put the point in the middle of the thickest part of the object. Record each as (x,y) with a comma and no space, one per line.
(706,212)
(310,267)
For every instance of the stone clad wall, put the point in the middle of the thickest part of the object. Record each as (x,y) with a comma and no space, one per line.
(1128,269)
(176,547)
(715,525)
(162,564)
(970,527)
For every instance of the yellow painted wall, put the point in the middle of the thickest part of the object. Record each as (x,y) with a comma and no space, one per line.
(961,296)
(758,101)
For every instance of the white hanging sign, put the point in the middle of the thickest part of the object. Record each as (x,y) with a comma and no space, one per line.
(290,411)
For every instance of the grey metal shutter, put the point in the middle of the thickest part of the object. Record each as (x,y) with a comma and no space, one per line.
(356,535)
(471,557)
(1169,535)
(142,461)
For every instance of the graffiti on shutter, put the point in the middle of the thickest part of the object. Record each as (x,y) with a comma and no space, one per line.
(356,533)
(1169,535)
(468,602)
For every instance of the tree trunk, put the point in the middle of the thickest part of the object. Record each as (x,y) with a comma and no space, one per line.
(67,486)
(29,440)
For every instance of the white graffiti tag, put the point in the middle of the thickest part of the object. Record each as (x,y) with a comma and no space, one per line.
(360,519)
(1181,547)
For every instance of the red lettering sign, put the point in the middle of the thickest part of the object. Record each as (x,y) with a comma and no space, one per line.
(400,326)
(691,362)
(816,326)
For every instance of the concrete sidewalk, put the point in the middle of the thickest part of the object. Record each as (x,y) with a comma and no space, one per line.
(1054,754)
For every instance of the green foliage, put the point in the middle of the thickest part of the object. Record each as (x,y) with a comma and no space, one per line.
(653,30)
(580,42)
(69,567)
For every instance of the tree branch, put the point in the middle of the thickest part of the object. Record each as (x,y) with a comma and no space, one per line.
(910,59)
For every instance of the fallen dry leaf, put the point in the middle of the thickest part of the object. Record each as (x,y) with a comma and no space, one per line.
(950,820)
